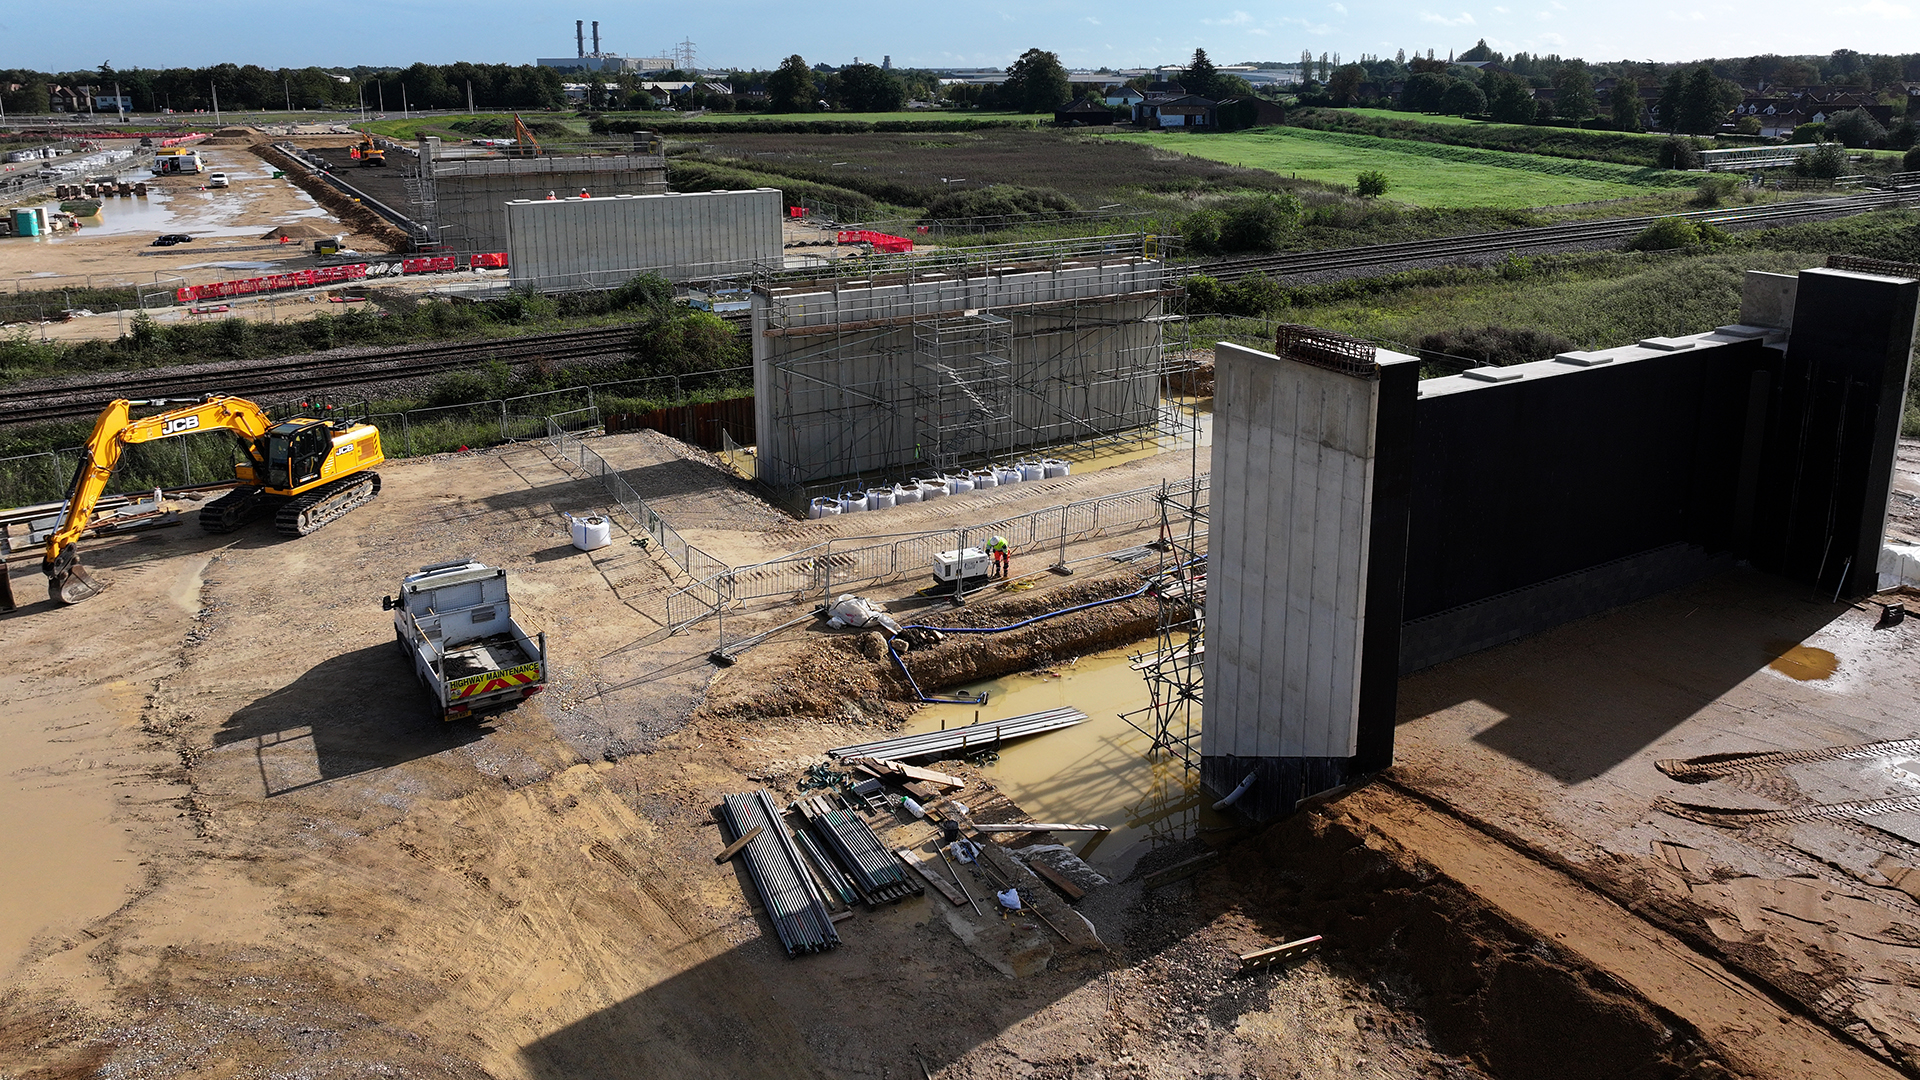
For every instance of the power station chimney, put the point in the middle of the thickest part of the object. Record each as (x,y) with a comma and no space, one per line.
(596,37)
(580,37)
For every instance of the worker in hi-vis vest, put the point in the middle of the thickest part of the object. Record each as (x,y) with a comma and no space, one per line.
(1002,558)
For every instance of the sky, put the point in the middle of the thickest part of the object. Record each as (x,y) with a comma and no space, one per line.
(979,33)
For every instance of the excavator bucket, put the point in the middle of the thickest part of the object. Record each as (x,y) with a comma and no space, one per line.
(73,584)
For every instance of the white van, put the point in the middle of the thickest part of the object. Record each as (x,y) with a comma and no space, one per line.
(218,179)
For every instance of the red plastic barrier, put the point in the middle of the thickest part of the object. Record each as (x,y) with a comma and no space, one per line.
(432,264)
(496,260)
(299,279)
(796,211)
(880,241)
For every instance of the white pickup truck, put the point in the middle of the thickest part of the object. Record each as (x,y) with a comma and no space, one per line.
(454,622)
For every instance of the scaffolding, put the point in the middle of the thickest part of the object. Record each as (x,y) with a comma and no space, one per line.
(1174,669)
(456,192)
(909,366)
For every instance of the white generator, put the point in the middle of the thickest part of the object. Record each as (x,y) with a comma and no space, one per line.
(967,564)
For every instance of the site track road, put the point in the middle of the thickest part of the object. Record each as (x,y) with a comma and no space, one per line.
(1452,248)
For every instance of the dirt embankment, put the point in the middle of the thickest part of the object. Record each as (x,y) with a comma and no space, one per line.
(1488,989)
(346,209)
(848,677)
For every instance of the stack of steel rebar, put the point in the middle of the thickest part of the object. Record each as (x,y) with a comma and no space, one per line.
(871,868)
(786,887)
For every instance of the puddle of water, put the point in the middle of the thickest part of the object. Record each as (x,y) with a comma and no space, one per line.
(1097,772)
(1802,662)
(66,861)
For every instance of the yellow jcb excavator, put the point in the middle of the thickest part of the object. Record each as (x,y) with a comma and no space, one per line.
(310,469)
(371,153)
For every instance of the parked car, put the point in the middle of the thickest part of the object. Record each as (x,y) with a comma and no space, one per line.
(171,239)
(218,179)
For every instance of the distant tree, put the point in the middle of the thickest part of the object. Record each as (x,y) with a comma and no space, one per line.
(1668,106)
(1371,184)
(1705,101)
(1626,106)
(1200,75)
(1462,98)
(1856,128)
(1573,91)
(1824,161)
(1231,85)
(868,88)
(1345,84)
(1508,99)
(1678,153)
(1425,92)
(1036,83)
(790,87)
(1400,57)
(1480,51)
(1911,160)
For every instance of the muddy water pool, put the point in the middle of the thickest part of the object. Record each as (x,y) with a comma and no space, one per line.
(1098,772)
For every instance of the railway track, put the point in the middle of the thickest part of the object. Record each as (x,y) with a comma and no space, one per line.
(313,373)
(1454,247)
(305,374)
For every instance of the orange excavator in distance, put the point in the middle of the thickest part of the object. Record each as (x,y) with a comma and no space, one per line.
(370,153)
(308,469)
(524,144)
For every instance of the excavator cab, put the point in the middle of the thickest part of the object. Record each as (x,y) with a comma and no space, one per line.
(296,452)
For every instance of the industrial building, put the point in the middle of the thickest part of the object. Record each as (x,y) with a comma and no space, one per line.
(596,243)
(920,365)
(1365,523)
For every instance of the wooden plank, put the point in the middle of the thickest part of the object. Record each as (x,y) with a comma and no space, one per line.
(1260,958)
(914,772)
(1058,880)
(1038,826)
(924,793)
(1179,870)
(940,884)
(733,849)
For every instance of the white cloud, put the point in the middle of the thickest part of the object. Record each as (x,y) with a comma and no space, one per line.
(1309,27)
(1499,11)
(1462,19)
(1238,18)
(1880,8)
(1093,20)
(1258,32)
(1341,8)
(1685,16)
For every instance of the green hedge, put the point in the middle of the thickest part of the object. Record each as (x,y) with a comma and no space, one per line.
(604,126)
(1619,148)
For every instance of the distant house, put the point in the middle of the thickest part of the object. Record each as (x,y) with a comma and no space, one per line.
(1780,110)
(1085,112)
(1171,89)
(1123,97)
(1240,113)
(1186,112)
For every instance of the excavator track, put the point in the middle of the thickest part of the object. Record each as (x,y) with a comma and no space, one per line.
(234,509)
(303,514)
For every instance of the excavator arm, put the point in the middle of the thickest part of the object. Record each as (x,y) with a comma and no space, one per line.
(67,581)
(529,146)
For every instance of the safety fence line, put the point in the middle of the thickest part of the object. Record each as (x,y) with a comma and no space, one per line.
(570,448)
(852,562)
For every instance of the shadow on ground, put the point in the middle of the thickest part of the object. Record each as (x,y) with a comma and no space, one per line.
(1581,699)
(392,722)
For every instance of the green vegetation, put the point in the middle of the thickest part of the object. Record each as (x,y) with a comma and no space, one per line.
(1470,178)
(1619,147)
(1669,233)
(391,319)
(1594,301)
(677,356)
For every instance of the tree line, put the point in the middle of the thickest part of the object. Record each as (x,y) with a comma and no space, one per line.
(249,87)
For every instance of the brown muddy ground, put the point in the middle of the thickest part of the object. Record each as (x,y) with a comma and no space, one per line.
(256,854)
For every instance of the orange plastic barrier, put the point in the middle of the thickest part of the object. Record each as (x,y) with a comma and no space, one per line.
(432,264)
(496,260)
(299,279)
(880,241)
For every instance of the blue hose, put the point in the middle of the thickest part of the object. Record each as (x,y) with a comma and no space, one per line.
(922,694)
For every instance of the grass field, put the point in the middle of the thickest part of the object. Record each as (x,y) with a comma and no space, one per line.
(1423,174)
(1461,121)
